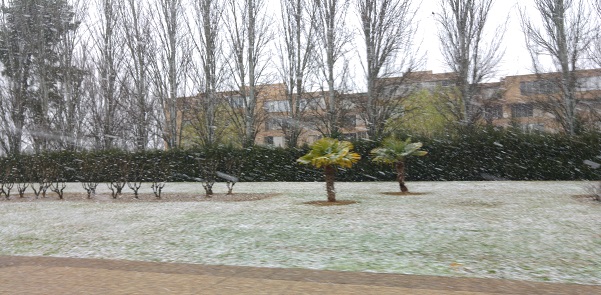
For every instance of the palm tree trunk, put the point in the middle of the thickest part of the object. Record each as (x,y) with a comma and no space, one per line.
(330,172)
(400,171)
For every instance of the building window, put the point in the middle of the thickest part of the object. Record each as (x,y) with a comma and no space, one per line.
(268,140)
(236,101)
(430,85)
(277,106)
(279,141)
(538,87)
(589,83)
(272,124)
(446,83)
(493,112)
(349,121)
(312,103)
(311,122)
(347,104)
(533,128)
(275,141)
(522,110)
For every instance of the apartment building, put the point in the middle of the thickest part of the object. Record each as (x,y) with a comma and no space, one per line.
(530,102)
(520,101)
(534,102)
(306,116)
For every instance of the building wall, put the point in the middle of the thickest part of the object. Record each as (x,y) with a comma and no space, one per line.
(505,103)
(525,90)
(516,108)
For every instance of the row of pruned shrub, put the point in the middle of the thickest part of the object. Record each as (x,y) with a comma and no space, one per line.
(118,169)
(41,187)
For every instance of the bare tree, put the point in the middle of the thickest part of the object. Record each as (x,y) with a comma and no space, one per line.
(89,175)
(248,35)
(595,48)
(565,37)
(462,25)
(333,37)
(68,116)
(209,74)
(296,50)
(136,18)
(170,64)
(117,172)
(105,86)
(158,175)
(388,31)
(594,107)
(7,178)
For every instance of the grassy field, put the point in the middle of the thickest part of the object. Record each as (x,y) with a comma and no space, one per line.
(517,230)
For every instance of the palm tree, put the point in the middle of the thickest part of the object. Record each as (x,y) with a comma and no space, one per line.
(330,153)
(394,151)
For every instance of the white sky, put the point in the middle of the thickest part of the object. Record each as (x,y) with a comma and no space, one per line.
(516,59)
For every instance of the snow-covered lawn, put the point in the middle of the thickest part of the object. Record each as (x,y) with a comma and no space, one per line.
(517,230)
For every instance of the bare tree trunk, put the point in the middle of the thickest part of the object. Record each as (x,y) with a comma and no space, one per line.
(108,75)
(211,38)
(172,26)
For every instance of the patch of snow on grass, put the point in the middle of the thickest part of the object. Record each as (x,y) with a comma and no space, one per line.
(515,230)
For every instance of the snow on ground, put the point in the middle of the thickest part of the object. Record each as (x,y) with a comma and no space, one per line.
(515,230)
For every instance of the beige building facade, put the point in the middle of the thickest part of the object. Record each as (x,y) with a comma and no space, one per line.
(521,101)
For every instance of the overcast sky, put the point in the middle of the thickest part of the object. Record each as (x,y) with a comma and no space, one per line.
(516,59)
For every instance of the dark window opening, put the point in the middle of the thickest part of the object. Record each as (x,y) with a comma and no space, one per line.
(268,140)
(493,112)
(538,87)
(522,110)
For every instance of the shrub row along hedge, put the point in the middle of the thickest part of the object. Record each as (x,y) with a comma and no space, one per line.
(481,155)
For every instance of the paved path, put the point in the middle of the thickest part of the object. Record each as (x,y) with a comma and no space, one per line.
(47,275)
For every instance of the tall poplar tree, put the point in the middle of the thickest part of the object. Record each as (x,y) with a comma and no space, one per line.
(565,36)
(467,51)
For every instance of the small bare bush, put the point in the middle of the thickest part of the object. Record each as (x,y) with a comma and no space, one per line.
(596,191)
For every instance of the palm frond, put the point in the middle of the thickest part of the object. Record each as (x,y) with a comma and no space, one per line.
(394,150)
(329,151)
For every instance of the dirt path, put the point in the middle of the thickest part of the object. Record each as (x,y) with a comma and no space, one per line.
(48,275)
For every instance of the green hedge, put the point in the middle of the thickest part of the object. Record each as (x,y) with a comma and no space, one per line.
(511,155)
(485,154)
